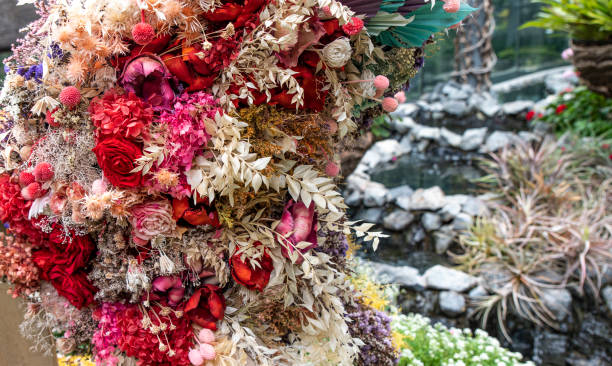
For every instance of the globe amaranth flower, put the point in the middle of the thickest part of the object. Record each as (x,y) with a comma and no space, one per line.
(146,76)
(150,220)
(253,274)
(206,306)
(298,224)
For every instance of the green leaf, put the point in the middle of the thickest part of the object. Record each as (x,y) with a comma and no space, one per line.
(383,21)
(427,21)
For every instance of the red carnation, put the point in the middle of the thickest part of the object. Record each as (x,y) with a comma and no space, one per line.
(116,157)
(561,108)
(206,306)
(354,26)
(254,276)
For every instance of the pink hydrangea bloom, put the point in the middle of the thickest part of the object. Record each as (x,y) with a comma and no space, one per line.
(106,337)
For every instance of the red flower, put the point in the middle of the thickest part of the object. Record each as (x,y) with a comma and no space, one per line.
(254,276)
(62,261)
(530,115)
(140,343)
(14,210)
(561,108)
(116,157)
(146,76)
(199,214)
(354,26)
(206,306)
(121,115)
(610,156)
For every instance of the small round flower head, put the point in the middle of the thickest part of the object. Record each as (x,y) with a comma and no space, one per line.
(389,104)
(381,82)
(70,96)
(43,172)
(400,96)
(26,178)
(143,33)
(207,352)
(32,191)
(195,357)
(206,336)
(332,169)
(451,6)
(354,26)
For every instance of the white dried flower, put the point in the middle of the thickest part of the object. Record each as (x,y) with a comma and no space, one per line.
(337,53)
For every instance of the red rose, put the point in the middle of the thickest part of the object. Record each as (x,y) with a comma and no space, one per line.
(116,157)
(561,108)
(206,306)
(253,277)
(75,287)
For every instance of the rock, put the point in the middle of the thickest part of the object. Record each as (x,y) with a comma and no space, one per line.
(442,278)
(423,132)
(401,191)
(474,207)
(418,235)
(357,182)
(489,108)
(431,221)
(498,140)
(473,138)
(457,198)
(13,18)
(422,145)
(449,89)
(381,152)
(405,145)
(442,241)
(405,276)
(398,220)
(462,222)
(517,107)
(557,301)
(542,128)
(375,195)
(354,199)
(528,136)
(403,125)
(449,138)
(595,333)
(455,108)
(450,211)
(451,303)
(606,294)
(406,110)
(431,199)
(478,292)
(550,348)
(371,215)
(606,276)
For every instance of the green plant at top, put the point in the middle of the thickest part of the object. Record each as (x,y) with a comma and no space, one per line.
(581,112)
(550,227)
(425,345)
(588,20)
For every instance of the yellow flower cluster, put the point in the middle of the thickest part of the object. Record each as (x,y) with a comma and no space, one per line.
(75,361)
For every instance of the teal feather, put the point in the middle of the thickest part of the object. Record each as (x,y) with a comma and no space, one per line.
(427,21)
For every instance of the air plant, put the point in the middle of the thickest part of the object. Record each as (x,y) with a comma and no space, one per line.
(550,228)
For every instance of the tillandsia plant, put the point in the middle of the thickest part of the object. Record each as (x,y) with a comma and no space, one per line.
(169,172)
(589,25)
(550,228)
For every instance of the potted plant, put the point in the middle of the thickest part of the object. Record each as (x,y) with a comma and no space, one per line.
(589,24)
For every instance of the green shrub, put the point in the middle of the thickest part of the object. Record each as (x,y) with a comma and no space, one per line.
(581,112)
(427,345)
(582,19)
(550,227)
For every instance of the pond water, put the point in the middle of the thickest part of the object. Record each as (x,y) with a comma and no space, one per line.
(452,172)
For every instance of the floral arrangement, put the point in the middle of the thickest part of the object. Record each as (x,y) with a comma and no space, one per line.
(169,171)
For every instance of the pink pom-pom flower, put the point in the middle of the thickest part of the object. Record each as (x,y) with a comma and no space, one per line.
(400,96)
(389,104)
(70,96)
(381,82)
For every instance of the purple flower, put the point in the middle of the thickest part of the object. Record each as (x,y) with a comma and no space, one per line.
(147,77)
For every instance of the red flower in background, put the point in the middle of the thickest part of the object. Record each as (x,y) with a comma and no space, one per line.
(117,156)
(530,115)
(14,210)
(199,214)
(206,306)
(561,108)
(247,273)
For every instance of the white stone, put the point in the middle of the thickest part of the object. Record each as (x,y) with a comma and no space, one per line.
(606,293)
(381,152)
(442,278)
(558,301)
(431,221)
(474,207)
(354,199)
(375,195)
(456,108)
(397,192)
(431,199)
(406,110)
(462,222)
(473,138)
(517,107)
(452,303)
(442,241)
(424,132)
(403,125)
(450,211)
(371,215)
(403,275)
(398,220)
(450,138)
